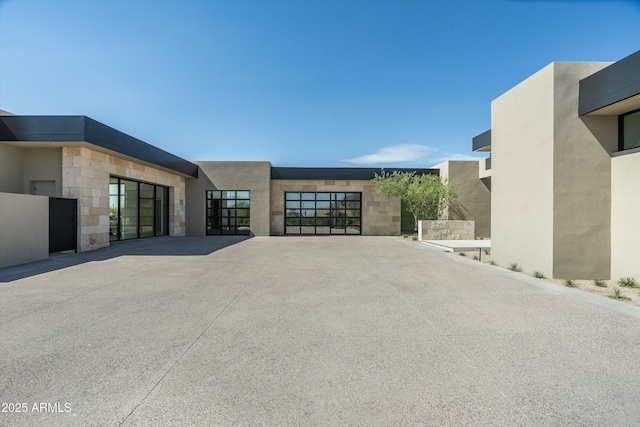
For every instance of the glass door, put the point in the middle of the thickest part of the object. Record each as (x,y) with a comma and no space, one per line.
(114,209)
(137,209)
(323,213)
(147,202)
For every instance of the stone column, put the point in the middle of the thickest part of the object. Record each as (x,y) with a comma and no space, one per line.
(84,179)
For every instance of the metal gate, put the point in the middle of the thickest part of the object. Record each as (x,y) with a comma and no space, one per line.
(63,223)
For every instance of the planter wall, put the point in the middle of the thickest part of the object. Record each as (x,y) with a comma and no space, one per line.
(446,230)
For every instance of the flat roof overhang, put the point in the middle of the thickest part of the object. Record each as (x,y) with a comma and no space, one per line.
(482,142)
(52,131)
(614,90)
(362,174)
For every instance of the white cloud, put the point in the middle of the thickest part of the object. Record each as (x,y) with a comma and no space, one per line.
(413,153)
(443,157)
(395,153)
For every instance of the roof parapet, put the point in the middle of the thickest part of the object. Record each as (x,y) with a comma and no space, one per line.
(482,142)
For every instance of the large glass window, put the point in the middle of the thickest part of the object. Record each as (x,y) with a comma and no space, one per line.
(323,213)
(162,211)
(129,209)
(137,209)
(114,208)
(228,212)
(629,130)
(147,207)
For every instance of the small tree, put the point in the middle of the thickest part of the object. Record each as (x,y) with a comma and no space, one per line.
(425,196)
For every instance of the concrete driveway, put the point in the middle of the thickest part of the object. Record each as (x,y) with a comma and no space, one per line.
(307,331)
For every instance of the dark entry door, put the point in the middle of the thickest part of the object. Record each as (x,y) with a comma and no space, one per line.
(62,224)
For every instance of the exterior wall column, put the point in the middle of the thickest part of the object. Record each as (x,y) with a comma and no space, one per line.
(83,179)
(177,210)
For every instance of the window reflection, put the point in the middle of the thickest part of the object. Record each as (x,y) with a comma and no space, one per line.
(323,213)
(137,209)
(630,130)
(228,212)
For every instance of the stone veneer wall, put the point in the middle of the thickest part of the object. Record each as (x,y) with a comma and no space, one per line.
(446,230)
(85,176)
(380,215)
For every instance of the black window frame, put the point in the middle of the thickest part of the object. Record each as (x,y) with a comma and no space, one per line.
(340,210)
(621,130)
(139,225)
(236,224)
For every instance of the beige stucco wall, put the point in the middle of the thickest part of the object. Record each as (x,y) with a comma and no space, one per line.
(20,167)
(252,176)
(42,164)
(522,174)
(11,168)
(85,176)
(24,228)
(581,180)
(474,194)
(551,177)
(484,167)
(625,205)
(380,215)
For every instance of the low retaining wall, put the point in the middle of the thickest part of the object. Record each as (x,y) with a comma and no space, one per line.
(24,228)
(446,230)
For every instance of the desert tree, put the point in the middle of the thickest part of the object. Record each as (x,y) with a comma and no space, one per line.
(425,196)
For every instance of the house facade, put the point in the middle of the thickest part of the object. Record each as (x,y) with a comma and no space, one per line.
(123,188)
(565,163)
(558,194)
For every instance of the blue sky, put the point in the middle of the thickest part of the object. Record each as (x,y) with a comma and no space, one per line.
(372,83)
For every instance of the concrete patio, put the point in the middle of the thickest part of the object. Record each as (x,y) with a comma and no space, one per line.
(308,331)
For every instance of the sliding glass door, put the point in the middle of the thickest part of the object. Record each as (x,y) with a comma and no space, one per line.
(137,209)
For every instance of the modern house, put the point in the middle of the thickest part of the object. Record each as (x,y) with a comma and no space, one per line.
(72,183)
(564,170)
(558,195)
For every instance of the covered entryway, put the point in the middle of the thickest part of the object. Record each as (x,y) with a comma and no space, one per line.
(63,222)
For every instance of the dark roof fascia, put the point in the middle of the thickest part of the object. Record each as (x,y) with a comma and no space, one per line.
(481,141)
(362,174)
(42,128)
(107,137)
(85,129)
(617,82)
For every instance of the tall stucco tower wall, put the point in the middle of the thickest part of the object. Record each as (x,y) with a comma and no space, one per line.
(551,205)
(582,180)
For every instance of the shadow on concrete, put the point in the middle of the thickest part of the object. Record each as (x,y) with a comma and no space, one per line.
(153,246)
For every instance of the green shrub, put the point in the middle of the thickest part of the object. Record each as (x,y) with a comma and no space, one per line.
(514,267)
(475,258)
(404,236)
(492,262)
(617,294)
(599,283)
(415,238)
(539,275)
(487,251)
(628,282)
(462,254)
(569,283)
